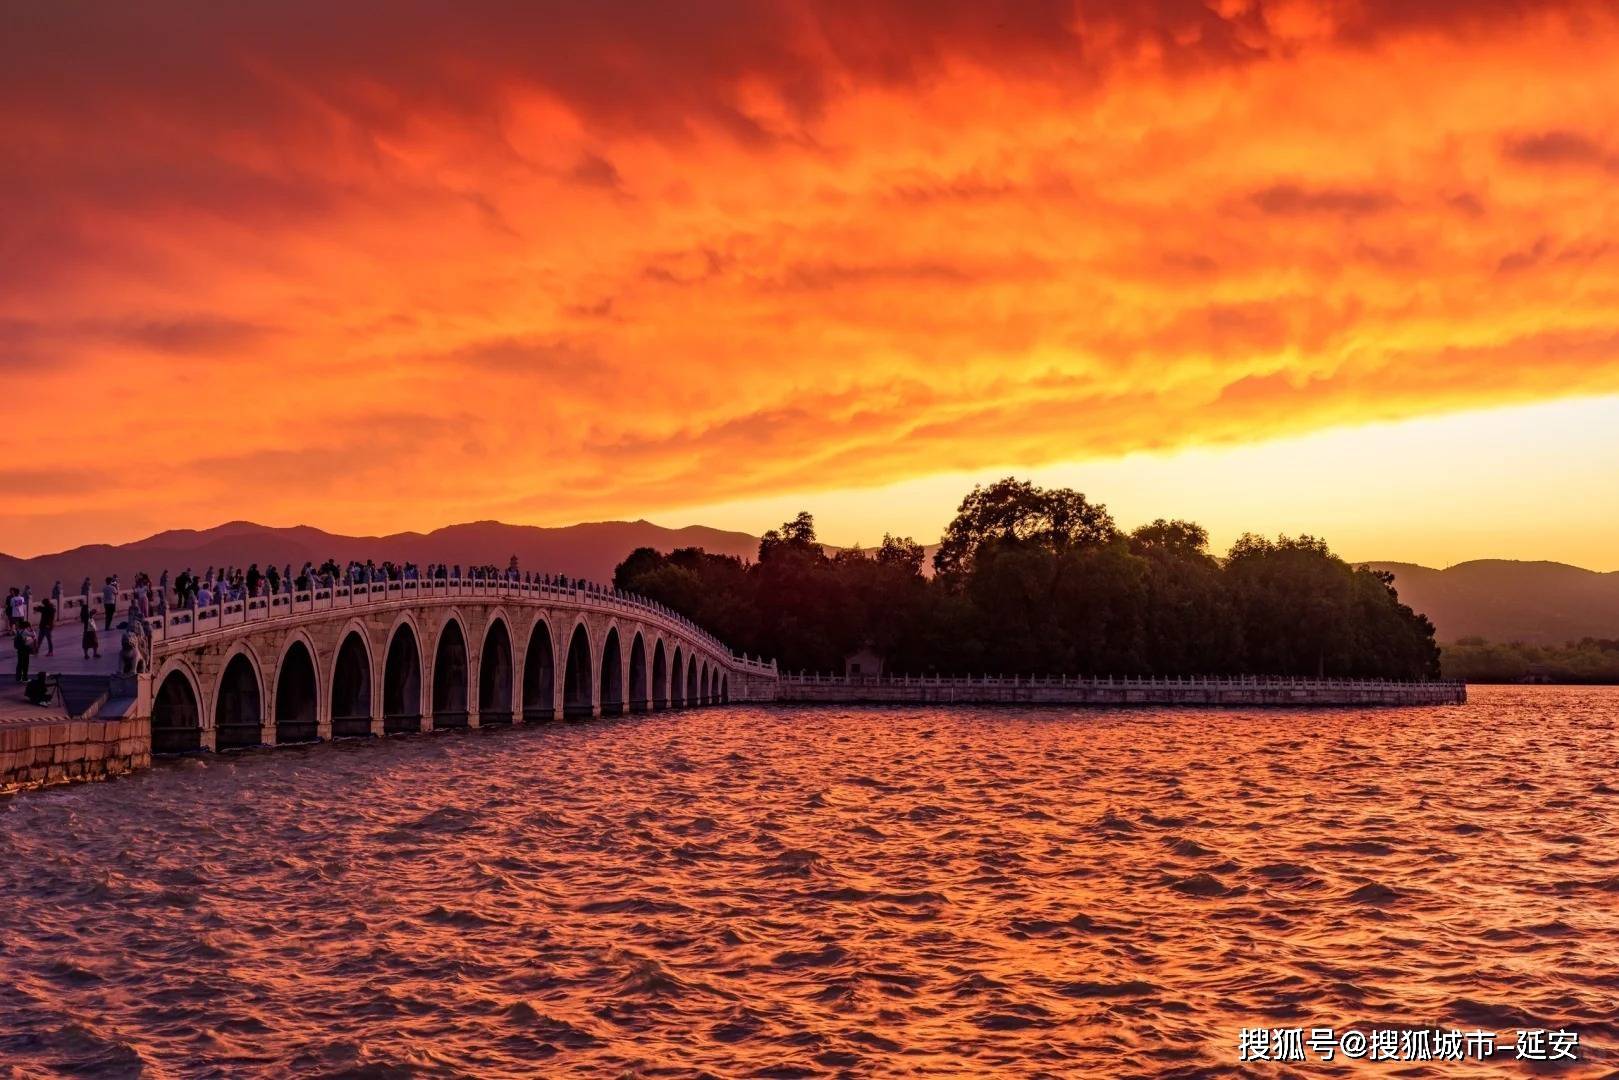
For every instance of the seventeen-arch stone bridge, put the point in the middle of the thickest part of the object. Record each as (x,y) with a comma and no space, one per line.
(423,655)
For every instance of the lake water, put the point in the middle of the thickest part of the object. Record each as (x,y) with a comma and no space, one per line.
(858,892)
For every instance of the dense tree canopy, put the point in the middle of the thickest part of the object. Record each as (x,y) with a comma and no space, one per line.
(1015,512)
(1042,581)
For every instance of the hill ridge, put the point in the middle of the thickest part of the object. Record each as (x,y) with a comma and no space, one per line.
(589,549)
(1535,601)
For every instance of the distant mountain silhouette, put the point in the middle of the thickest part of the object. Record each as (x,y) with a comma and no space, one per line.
(1540,603)
(589,550)
(1534,602)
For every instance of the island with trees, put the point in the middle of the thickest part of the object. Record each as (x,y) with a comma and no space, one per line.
(1043,582)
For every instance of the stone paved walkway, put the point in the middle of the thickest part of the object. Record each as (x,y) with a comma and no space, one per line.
(15,709)
(69,660)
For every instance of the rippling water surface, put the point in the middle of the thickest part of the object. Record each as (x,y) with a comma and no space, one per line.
(859,892)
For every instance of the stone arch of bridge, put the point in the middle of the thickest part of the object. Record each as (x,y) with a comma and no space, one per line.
(578,685)
(495,673)
(611,667)
(176,709)
(352,691)
(297,691)
(402,677)
(660,676)
(239,699)
(449,677)
(539,673)
(640,699)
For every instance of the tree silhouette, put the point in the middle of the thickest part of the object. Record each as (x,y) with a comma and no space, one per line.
(1030,580)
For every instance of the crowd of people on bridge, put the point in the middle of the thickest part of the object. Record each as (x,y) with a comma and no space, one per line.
(234,584)
(222,585)
(29,640)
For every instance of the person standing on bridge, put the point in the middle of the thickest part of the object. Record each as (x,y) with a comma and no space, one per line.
(23,641)
(16,608)
(47,623)
(90,641)
(109,600)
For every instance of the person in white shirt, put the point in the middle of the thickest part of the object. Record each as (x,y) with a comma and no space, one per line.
(109,600)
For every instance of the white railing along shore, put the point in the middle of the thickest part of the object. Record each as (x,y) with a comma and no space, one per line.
(175,622)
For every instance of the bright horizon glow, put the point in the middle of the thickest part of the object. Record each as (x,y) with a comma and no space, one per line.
(1557,460)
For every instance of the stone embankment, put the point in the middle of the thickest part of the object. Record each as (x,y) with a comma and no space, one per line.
(1014,690)
(36,754)
(89,732)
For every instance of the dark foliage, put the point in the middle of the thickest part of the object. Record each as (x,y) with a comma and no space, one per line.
(1589,660)
(1035,581)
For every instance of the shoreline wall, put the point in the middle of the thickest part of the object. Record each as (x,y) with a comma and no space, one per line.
(60,751)
(1012,690)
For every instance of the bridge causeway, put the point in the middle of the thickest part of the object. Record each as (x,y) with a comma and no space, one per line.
(371,659)
(423,655)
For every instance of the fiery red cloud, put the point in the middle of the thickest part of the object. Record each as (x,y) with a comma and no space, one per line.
(386,265)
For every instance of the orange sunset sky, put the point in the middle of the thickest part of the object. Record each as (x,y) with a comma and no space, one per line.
(1341,266)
